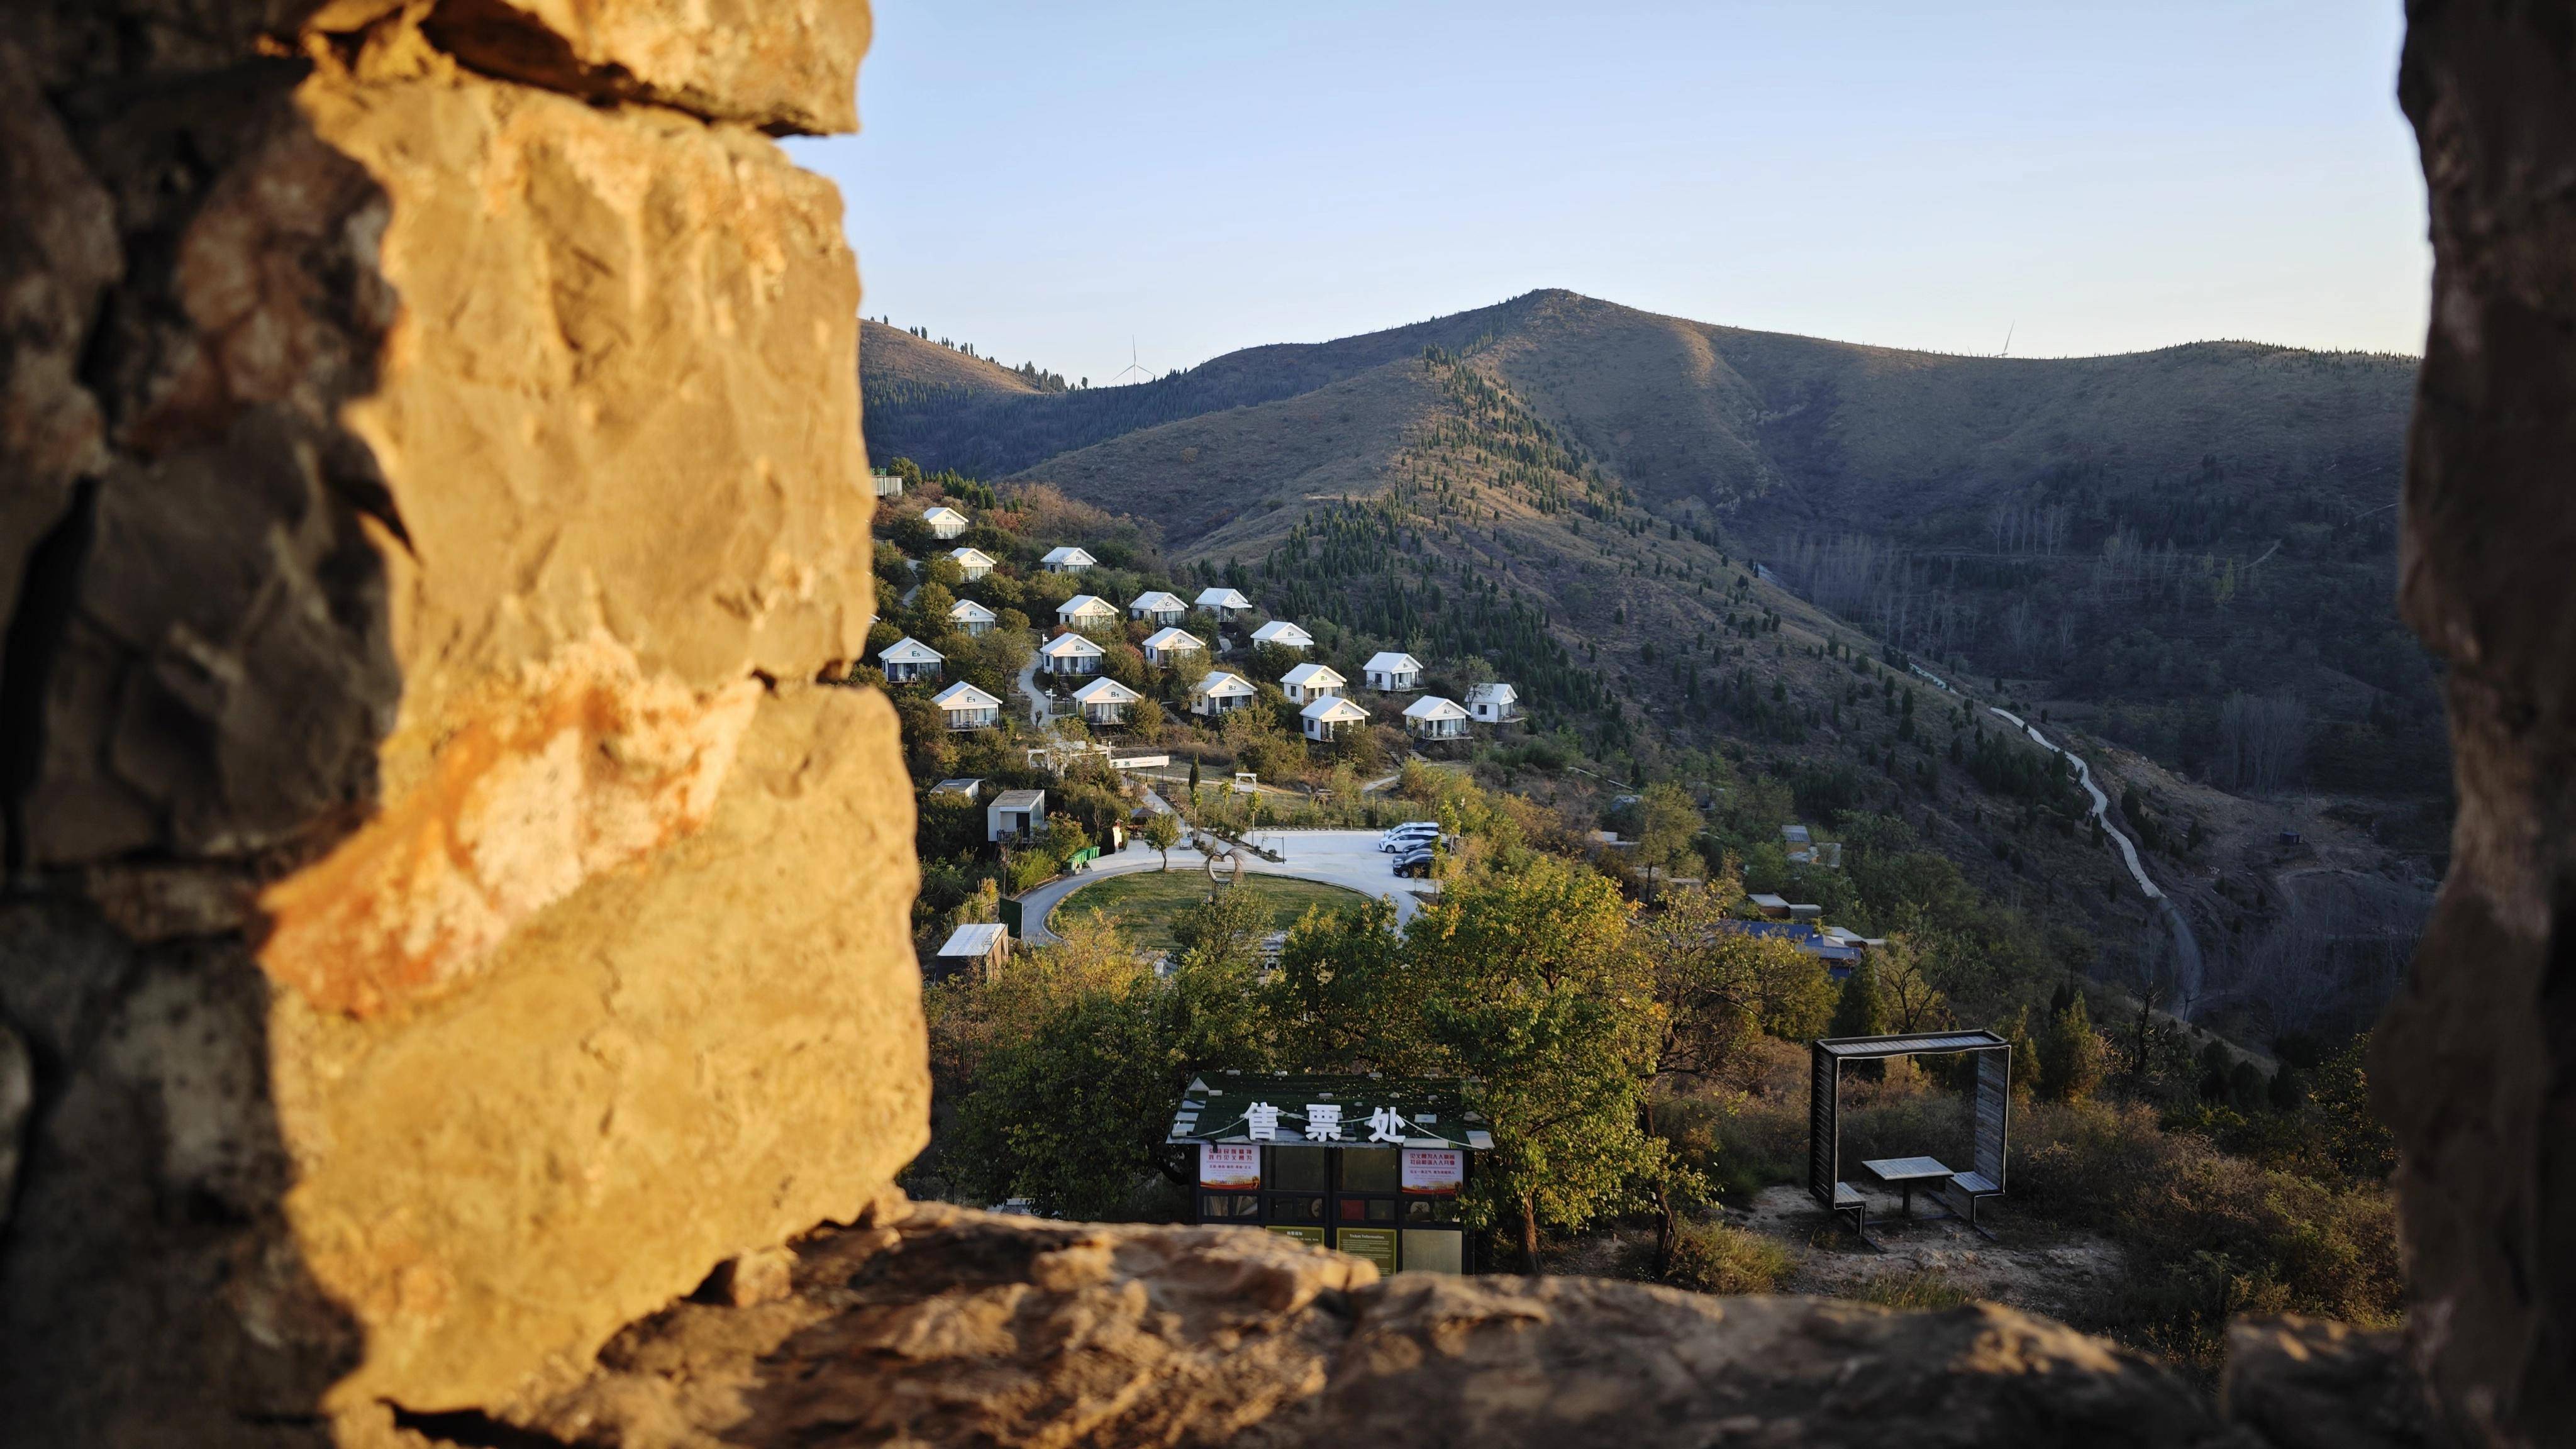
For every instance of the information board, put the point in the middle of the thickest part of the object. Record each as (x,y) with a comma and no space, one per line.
(1375,1244)
(1229,1166)
(1434,1171)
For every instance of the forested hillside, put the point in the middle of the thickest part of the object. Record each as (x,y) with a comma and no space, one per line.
(2145,542)
(1686,538)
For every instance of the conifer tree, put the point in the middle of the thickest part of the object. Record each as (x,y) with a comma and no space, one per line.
(2073,1061)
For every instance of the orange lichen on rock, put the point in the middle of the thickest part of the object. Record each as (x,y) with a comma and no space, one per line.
(581,766)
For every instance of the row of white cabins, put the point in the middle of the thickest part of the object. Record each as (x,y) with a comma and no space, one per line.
(1318,688)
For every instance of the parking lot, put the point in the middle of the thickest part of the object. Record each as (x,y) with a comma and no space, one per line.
(1347,858)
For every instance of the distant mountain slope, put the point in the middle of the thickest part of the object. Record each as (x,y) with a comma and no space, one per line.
(2134,540)
(893,359)
(985,435)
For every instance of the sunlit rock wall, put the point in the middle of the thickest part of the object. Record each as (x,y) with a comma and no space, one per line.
(446,921)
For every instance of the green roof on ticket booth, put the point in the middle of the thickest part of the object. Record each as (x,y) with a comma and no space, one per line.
(1217,1105)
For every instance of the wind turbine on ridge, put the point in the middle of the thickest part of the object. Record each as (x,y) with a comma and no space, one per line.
(1132,364)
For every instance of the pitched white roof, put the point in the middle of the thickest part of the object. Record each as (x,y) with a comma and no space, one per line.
(1393,663)
(1068,646)
(1068,555)
(1432,706)
(1158,602)
(1496,692)
(1280,631)
(972,558)
(1174,639)
(973,940)
(908,650)
(1222,683)
(1083,606)
(1222,599)
(962,695)
(1308,675)
(967,611)
(1105,690)
(1335,710)
(944,514)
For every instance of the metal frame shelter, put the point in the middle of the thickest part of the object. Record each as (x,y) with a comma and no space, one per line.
(1824,1116)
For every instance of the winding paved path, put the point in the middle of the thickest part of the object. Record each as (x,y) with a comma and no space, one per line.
(2188,972)
(1029,687)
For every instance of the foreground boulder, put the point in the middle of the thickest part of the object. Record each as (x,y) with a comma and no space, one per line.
(935,1325)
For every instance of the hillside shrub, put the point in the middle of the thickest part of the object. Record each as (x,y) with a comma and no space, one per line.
(1718,1258)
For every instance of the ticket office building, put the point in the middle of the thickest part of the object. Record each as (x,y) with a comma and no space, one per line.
(1363,1166)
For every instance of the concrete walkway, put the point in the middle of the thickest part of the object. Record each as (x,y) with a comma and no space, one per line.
(1036,697)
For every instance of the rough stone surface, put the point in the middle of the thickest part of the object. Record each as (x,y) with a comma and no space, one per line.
(2472,1065)
(445,923)
(949,1327)
(58,249)
(2304,1383)
(783,65)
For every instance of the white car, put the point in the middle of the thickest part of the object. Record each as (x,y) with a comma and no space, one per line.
(1408,837)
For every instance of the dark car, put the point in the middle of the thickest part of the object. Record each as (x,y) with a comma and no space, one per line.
(1414,862)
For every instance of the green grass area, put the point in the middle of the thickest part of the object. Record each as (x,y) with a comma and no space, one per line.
(1144,903)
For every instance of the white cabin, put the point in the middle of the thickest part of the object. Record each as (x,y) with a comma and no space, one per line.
(1434,718)
(971,618)
(1392,673)
(1015,815)
(968,708)
(1159,608)
(1104,701)
(1069,654)
(1221,693)
(1067,560)
(1086,611)
(1495,703)
(974,561)
(888,485)
(1310,682)
(1164,647)
(944,521)
(909,661)
(1227,604)
(1283,634)
(1327,717)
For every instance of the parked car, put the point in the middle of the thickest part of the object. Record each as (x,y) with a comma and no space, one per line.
(1415,863)
(1410,836)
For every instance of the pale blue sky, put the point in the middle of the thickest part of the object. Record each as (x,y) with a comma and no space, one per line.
(1045,180)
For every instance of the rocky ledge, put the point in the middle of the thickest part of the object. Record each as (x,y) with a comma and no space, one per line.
(935,1325)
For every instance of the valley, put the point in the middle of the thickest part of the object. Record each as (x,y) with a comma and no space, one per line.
(1686,541)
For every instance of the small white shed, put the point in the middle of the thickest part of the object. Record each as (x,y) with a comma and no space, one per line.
(909,661)
(1434,718)
(1164,647)
(1326,718)
(1310,682)
(1069,654)
(944,521)
(1392,673)
(968,708)
(1221,693)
